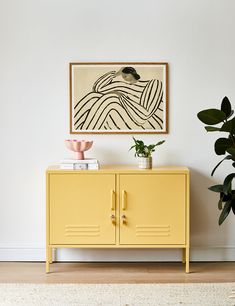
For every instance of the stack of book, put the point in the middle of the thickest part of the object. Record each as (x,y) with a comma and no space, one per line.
(83,164)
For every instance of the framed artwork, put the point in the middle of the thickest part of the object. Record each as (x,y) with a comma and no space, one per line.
(118,97)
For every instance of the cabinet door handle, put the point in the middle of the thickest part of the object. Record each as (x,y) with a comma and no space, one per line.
(113,218)
(123,200)
(112,200)
(123,219)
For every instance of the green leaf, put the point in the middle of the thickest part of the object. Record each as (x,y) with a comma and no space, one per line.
(216,188)
(233,206)
(227,185)
(229,126)
(231,151)
(211,116)
(140,142)
(132,147)
(225,212)
(232,112)
(226,106)
(220,204)
(159,143)
(211,128)
(225,197)
(226,158)
(221,145)
(151,147)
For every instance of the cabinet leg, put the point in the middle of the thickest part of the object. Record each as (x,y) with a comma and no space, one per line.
(183,255)
(187,260)
(51,255)
(48,259)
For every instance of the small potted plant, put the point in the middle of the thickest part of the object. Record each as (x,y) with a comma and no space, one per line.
(144,152)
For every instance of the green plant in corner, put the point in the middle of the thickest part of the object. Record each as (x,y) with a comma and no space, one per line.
(142,150)
(223,146)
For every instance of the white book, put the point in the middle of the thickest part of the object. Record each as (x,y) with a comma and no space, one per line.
(66,166)
(79,161)
(80,166)
(76,166)
(93,167)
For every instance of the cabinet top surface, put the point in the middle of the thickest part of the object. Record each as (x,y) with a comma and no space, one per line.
(121,169)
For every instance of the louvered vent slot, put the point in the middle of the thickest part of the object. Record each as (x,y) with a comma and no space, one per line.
(153,230)
(82,230)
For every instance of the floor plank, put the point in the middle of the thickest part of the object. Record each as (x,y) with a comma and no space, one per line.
(31,272)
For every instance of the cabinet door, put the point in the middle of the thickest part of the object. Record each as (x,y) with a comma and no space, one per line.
(81,208)
(152,209)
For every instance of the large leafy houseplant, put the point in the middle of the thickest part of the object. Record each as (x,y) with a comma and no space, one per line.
(223,146)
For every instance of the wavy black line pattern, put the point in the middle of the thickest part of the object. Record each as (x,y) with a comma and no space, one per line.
(113,121)
(103,80)
(118,105)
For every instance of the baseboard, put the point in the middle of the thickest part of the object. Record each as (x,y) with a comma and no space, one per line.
(198,253)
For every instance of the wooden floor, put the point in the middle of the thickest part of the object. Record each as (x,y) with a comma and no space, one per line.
(29,272)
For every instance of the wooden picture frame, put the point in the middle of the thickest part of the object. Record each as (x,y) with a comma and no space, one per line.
(118,98)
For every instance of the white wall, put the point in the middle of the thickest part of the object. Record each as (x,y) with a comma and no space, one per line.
(37,41)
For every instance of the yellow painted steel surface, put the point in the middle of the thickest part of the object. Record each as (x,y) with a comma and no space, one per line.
(117,207)
(154,209)
(81,207)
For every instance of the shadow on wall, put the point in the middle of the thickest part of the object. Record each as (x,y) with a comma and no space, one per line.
(204,212)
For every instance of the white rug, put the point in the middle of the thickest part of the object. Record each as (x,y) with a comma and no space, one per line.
(117,295)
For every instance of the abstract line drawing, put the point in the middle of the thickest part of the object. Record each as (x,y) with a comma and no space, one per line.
(118,98)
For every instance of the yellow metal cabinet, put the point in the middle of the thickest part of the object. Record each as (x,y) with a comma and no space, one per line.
(118,207)
(81,208)
(153,209)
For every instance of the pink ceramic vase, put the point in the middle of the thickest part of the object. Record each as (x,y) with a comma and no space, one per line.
(78,147)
